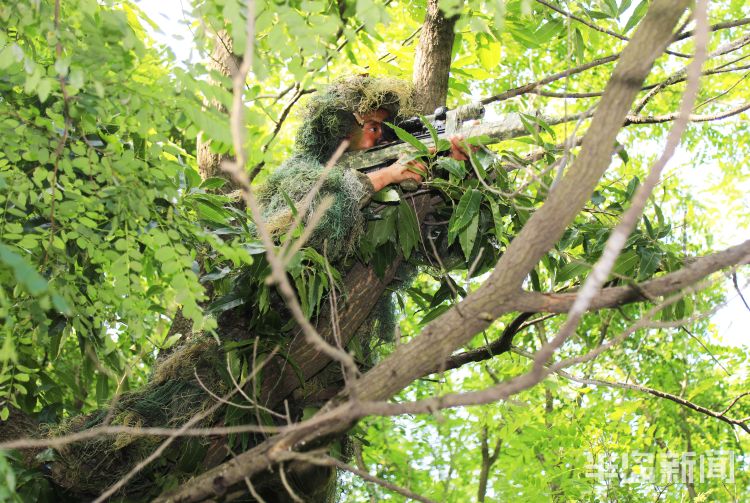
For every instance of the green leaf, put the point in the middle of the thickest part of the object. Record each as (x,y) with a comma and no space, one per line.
(44,88)
(632,187)
(380,231)
(386,196)
(610,7)
(225,303)
(452,166)
(61,304)
(579,46)
(213,183)
(638,14)
(548,30)
(434,314)
(649,263)
(497,220)
(25,275)
(468,206)
(626,263)
(4,413)
(574,269)
(431,129)
(649,228)
(213,213)
(408,228)
(468,236)
(102,388)
(407,137)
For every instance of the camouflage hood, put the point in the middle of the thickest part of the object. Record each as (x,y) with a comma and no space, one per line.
(329,116)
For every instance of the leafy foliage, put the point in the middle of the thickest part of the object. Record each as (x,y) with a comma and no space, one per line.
(106,229)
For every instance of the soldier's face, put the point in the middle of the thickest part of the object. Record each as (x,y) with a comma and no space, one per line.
(371,131)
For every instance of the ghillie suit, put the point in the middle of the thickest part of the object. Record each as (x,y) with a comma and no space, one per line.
(182,385)
(329,119)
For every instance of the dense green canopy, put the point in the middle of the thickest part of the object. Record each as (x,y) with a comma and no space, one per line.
(133,291)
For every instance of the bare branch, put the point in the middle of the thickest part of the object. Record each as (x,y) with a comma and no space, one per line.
(280,122)
(135,431)
(285,483)
(643,389)
(582,21)
(517,91)
(656,119)
(708,351)
(736,399)
(739,292)
(333,462)
(615,296)
(716,27)
(680,74)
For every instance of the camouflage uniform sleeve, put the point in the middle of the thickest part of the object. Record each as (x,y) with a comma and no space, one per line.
(369,189)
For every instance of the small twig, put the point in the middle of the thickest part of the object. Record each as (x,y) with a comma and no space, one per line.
(517,91)
(656,119)
(280,122)
(706,349)
(716,27)
(739,292)
(582,21)
(333,462)
(721,94)
(657,393)
(285,483)
(736,399)
(473,267)
(253,492)
(724,49)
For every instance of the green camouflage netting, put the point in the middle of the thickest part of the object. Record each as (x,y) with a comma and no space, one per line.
(329,116)
(172,396)
(341,225)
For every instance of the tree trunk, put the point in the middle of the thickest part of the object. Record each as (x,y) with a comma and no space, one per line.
(224,61)
(432,63)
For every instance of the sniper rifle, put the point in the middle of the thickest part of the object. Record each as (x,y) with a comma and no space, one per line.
(463,121)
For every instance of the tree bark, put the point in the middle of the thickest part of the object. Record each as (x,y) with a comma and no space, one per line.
(224,61)
(432,63)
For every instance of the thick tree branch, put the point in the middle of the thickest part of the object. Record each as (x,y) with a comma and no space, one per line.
(658,287)
(611,297)
(544,228)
